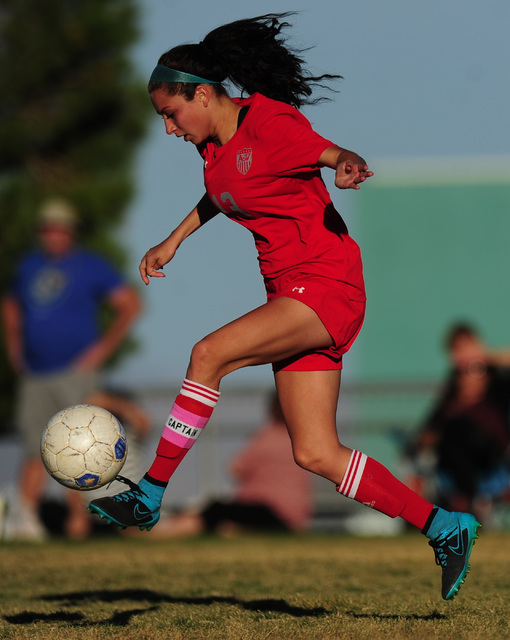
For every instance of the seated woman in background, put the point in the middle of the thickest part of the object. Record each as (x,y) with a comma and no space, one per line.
(468,429)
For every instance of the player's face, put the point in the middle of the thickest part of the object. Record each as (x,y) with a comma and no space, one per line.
(184,118)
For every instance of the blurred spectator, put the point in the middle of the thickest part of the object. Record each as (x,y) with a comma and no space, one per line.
(272,492)
(56,346)
(466,437)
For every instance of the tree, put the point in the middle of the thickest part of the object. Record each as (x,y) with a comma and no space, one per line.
(72,113)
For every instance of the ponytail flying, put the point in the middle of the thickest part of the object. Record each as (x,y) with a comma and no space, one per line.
(252,54)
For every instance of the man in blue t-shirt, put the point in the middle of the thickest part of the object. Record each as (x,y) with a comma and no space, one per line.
(55,343)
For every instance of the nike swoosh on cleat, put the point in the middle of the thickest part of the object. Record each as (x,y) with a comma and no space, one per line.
(142,515)
(459,548)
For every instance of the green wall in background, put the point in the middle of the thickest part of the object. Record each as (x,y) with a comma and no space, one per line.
(433,253)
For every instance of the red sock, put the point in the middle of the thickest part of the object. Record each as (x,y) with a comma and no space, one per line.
(189,415)
(369,482)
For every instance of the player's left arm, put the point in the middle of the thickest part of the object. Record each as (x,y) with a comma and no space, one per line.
(126,305)
(350,168)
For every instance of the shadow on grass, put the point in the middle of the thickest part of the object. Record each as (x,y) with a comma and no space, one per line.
(119,619)
(122,619)
(435,615)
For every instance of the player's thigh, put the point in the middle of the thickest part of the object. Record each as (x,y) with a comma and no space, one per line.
(276,330)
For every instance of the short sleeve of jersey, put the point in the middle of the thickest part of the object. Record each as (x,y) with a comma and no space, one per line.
(293,146)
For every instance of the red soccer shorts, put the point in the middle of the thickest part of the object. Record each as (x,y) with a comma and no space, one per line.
(341,308)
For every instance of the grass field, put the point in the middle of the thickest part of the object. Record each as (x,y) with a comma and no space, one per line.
(311,587)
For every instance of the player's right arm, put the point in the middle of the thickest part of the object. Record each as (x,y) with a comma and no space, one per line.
(156,258)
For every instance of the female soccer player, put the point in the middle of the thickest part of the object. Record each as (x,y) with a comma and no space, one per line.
(262,163)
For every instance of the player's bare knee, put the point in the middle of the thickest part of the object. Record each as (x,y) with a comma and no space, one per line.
(205,363)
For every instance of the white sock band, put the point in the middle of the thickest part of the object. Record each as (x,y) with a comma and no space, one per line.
(350,482)
(200,392)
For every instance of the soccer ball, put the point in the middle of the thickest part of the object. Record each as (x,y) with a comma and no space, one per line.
(83,447)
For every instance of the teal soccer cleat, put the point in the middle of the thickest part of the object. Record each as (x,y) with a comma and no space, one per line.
(452,547)
(133,508)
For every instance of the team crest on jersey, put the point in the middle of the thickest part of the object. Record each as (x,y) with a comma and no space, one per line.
(244,157)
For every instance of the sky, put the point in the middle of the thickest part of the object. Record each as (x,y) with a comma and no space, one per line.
(421,80)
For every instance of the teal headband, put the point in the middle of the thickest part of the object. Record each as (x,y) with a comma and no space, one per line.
(165,74)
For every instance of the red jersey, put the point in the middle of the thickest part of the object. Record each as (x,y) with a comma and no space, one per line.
(267,179)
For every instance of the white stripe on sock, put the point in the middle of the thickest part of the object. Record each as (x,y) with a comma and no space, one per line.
(359,475)
(200,392)
(352,478)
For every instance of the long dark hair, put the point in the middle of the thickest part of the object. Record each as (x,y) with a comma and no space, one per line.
(250,53)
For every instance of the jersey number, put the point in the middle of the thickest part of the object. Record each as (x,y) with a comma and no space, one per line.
(230,206)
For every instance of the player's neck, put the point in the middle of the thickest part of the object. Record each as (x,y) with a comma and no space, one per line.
(227,121)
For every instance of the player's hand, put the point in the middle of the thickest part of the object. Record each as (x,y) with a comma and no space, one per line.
(351,171)
(155,259)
